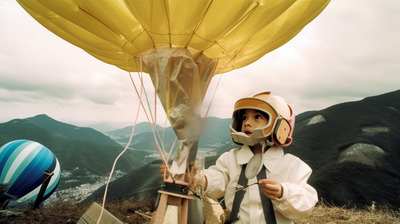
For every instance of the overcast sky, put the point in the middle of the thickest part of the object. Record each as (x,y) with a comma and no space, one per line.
(350,51)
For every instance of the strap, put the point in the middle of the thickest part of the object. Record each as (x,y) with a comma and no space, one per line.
(268,208)
(239,194)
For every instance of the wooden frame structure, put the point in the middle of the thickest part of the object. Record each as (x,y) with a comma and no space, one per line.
(172,208)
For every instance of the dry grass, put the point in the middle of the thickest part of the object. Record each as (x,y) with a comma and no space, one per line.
(136,213)
(327,214)
(126,211)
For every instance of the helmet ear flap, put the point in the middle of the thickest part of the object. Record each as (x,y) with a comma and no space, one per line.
(281,133)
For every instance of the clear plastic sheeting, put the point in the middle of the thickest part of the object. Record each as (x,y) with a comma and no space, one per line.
(181,81)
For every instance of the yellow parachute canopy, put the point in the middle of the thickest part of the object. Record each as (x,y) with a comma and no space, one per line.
(118,32)
(180,43)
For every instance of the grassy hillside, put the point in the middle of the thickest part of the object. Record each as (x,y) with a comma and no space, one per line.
(138,213)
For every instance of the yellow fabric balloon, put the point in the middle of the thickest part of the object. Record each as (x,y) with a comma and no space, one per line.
(117,32)
(180,43)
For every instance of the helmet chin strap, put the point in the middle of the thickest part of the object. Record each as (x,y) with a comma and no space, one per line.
(266,143)
(243,138)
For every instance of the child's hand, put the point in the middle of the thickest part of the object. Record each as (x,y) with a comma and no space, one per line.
(165,172)
(271,188)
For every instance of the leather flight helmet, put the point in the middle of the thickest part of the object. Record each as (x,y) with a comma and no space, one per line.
(279,128)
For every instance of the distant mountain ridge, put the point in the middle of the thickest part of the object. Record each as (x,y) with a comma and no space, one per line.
(215,131)
(71,131)
(353,149)
(122,135)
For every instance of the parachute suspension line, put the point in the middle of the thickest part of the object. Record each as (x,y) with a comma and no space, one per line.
(155,88)
(152,122)
(163,137)
(152,126)
(165,125)
(215,90)
(145,93)
(213,95)
(168,109)
(116,159)
(172,147)
(155,69)
(168,95)
(161,148)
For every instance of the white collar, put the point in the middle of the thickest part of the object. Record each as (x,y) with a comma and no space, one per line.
(271,157)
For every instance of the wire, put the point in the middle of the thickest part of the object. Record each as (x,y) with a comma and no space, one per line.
(116,159)
(215,91)
(223,199)
(152,124)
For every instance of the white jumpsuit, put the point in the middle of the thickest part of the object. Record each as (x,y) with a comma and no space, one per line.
(298,200)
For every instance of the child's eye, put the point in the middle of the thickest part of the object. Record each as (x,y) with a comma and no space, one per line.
(244,117)
(258,116)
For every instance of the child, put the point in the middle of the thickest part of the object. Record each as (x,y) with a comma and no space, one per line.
(274,185)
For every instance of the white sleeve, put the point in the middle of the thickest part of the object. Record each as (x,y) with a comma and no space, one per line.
(299,198)
(218,177)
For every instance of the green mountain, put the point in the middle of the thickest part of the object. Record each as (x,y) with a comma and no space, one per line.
(85,155)
(354,150)
(122,135)
(70,131)
(215,134)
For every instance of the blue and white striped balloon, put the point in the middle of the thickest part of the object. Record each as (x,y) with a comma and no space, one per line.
(22,167)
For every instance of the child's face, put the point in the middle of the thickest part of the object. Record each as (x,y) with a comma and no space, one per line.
(253,119)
